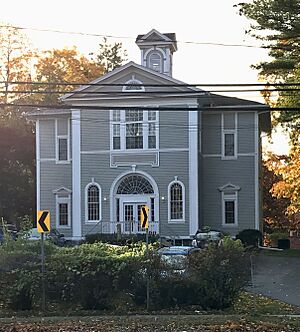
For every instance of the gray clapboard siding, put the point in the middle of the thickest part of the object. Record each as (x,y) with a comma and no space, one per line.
(54,176)
(218,173)
(47,138)
(211,133)
(171,165)
(246,132)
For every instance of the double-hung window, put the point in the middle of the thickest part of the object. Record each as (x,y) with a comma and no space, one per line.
(134,129)
(63,212)
(62,130)
(229,194)
(134,120)
(229,136)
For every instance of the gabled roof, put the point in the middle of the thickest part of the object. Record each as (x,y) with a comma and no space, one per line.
(167,79)
(154,36)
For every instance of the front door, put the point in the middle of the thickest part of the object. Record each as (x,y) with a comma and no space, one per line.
(132,217)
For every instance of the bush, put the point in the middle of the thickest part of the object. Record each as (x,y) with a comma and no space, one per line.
(218,274)
(250,237)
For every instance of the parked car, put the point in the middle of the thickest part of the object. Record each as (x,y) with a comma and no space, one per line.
(176,256)
(203,238)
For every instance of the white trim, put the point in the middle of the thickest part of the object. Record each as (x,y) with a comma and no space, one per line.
(87,221)
(211,155)
(193,171)
(176,221)
(57,138)
(38,165)
(226,198)
(112,196)
(63,200)
(165,150)
(145,130)
(47,160)
(76,175)
(133,80)
(256,172)
(233,132)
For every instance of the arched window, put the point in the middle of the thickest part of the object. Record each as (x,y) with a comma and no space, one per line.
(176,201)
(93,202)
(133,85)
(134,184)
(155,61)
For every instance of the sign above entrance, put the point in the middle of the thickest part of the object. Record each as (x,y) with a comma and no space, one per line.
(144,217)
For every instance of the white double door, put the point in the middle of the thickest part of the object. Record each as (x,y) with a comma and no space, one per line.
(131,213)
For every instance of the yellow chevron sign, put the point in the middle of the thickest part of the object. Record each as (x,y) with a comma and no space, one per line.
(43,221)
(144,217)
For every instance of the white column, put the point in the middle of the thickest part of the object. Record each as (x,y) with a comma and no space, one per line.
(193,169)
(257,162)
(38,165)
(76,176)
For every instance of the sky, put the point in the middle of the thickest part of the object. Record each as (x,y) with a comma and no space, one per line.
(194,21)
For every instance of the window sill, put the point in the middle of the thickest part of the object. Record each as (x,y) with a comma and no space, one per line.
(229,158)
(63,162)
(230,225)
(63,227)
(92,221)
(176,221)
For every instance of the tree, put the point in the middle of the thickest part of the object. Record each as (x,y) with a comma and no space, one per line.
(277,23)
(17,169)
(62,66)
(110,56)
(15,65)
(274,208)
(287,185)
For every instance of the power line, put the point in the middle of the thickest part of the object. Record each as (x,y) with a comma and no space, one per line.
(85,84)
(128,37)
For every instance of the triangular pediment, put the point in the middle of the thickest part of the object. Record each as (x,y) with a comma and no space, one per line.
(229,187)
(153,35)
(111,85)
(63,191)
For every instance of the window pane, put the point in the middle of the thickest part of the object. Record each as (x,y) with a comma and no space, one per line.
(155,62)
(116,115)
(62,149)
(229,212)
(176,201)
(93,203)
(63,214)
(134,136)
(229,144)
(116,143)
(152,210)
(151,142)
(133,115)
(151,115)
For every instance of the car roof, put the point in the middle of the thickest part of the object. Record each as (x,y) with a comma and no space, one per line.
(175,250)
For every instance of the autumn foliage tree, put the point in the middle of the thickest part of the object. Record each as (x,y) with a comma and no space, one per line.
(286,187)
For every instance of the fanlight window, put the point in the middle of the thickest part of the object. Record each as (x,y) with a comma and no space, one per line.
(133,85)
(135,184)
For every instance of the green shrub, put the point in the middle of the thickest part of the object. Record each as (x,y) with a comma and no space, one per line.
(218,274)
(250,237)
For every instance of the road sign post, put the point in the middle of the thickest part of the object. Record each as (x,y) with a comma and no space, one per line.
(43,226)
(145,225)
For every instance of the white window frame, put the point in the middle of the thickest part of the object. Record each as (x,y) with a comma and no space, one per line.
(57,138)
(232,197)
(159,53)
(87,221)
(176,221)
(145,127)
(133,81)
(63,200)
(223,141)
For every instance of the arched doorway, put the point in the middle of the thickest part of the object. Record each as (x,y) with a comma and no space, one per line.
(130,192)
